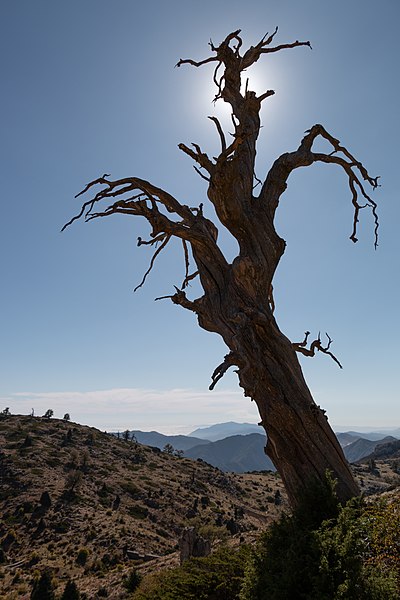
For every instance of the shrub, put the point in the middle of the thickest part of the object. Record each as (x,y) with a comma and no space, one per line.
(82,557)
(132,581)
(73,481)
(43,588)
(218,577)
(321,552)
(71,591)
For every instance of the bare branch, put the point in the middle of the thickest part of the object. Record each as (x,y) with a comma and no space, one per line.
(189,278)
(189,61)
(158,238)
(254,52)
(315,345)
(220,131)
(131,204)
(156,253)
(295,44)
(201,174)
(180,298)
(200,157)
(266,94)
(229,361)
(303,156)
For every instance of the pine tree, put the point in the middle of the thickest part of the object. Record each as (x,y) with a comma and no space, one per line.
(43,588)
(71,591)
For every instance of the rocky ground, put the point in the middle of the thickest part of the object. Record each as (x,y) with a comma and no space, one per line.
(90,506)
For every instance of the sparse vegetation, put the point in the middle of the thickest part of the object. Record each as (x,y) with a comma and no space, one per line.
(125,508)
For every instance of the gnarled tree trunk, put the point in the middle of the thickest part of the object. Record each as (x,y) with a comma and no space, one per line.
(238,302)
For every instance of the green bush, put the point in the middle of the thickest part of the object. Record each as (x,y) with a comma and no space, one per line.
(321,552)
(43,588)
(71,591)
(216,577)
(132,581)
(82,556)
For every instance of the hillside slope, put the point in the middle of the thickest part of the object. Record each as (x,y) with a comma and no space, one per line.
(237,453)
(159,440)
(82,502)
(363,447)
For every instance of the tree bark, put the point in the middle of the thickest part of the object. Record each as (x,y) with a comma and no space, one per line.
(238,301)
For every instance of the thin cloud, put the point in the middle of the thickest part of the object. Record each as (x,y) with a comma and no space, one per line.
(169,411)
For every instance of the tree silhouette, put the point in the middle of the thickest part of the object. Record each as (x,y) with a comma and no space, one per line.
(237,301)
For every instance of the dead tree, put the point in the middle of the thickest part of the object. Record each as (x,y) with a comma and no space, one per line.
(237,301)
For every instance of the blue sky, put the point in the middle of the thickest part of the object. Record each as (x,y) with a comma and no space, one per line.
(89,87)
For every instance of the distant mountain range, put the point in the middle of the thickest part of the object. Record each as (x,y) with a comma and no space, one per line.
(361,448)
(239,447)
(237,453)
(220,431)
(159,440)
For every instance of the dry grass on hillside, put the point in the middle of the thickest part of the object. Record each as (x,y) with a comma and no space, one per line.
(107,497)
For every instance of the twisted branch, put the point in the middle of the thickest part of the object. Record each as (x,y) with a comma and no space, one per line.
(229,361)
(315,345)
(153,259)
(304,156)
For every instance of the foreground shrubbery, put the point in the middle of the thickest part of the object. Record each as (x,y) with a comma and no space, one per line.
(336,561)
(217,577)
(321,552)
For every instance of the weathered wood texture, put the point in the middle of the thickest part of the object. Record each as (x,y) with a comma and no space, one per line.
(237,302)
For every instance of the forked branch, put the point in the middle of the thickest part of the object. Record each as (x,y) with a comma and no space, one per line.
(315,345)
(235,63)
(304,156)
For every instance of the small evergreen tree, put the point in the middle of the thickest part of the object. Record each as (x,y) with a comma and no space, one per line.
(66,417)
(48,414)
(71,591)
(132,581)
(43,588)
(168,449)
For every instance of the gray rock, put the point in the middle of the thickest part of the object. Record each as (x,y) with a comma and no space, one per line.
(192,544)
